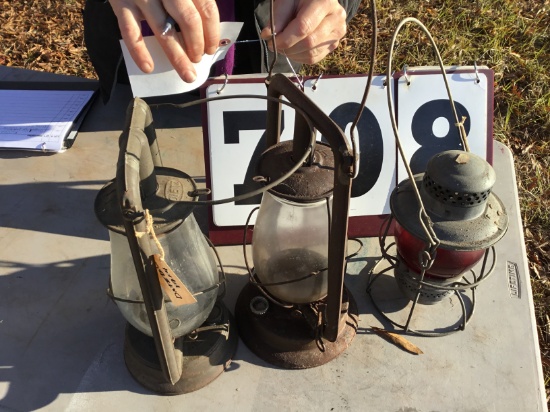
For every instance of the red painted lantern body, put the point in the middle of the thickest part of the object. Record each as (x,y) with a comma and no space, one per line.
(462,216)
(447,264)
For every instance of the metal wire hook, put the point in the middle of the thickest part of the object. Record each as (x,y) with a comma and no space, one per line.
(220,90)
(478,80)
(405,67)
(314,83)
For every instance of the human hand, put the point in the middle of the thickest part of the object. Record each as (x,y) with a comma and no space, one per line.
(307,30)
(199,22)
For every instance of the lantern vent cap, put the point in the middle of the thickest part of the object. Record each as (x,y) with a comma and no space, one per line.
(172,186)
(458,178)
(309,183)
(476,222)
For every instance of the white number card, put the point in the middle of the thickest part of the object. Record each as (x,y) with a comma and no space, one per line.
(235,136)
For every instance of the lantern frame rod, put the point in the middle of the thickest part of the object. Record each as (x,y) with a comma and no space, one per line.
(135,178)
(279,85)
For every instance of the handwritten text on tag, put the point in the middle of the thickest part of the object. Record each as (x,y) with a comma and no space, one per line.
(172,285)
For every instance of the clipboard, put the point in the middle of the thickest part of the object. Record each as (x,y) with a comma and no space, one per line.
(27,82)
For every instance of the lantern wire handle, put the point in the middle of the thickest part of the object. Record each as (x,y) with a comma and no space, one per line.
(268,186)
(374,43)
(459,124)
(424,219)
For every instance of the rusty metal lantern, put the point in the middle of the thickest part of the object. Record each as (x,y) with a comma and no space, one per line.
(296,313)
(447,220)
(155,239)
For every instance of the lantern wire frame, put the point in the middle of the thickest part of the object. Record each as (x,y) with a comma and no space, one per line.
(428,255)
(253,279)
(458,287)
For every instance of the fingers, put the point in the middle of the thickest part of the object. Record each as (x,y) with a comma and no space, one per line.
(316,46)
(128,18)
(199,24)
(307,30)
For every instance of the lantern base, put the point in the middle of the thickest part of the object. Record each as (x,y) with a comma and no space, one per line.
(285,337)
(409,284)
(205,356)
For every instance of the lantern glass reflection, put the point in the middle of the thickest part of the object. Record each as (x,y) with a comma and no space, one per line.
(290,242)
(191,259)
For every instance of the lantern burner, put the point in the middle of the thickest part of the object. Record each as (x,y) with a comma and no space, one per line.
(292,337)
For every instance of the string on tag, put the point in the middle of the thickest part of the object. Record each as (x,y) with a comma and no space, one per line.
(462,131)
(151,232)
(298,77)
(170,283)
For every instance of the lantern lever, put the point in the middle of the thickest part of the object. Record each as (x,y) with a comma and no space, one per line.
(136,179)
(304,137)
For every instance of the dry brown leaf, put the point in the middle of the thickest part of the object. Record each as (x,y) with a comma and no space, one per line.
(398,340)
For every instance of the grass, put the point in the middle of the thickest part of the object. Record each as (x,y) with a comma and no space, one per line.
(510,37)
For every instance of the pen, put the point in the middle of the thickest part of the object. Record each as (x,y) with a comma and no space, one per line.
(169,24)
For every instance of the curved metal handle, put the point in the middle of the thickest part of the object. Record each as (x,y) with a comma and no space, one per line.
(280,85)
(136,167)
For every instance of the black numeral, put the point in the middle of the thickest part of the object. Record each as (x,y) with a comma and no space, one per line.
(422,131)
(371,145)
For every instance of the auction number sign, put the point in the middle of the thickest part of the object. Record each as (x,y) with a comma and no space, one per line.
(235,136)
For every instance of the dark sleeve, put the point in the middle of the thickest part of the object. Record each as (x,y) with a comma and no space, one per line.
(351,7)
(255,57)
(101,35)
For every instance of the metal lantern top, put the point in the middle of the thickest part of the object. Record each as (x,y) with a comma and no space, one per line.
(147,185)
(456,193)
(309,183)
(171,186)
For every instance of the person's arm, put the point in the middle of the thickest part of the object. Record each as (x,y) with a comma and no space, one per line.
(308,30)
(198,20)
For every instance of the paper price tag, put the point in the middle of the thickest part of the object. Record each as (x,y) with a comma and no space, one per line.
(174,288)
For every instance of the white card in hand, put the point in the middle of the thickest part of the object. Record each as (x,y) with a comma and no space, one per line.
(164,80)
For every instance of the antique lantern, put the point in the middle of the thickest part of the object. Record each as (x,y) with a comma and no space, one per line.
(295,312)
(465,216)
(447,220)
(164,275)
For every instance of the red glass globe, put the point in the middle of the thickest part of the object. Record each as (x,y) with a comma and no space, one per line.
(447,264)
